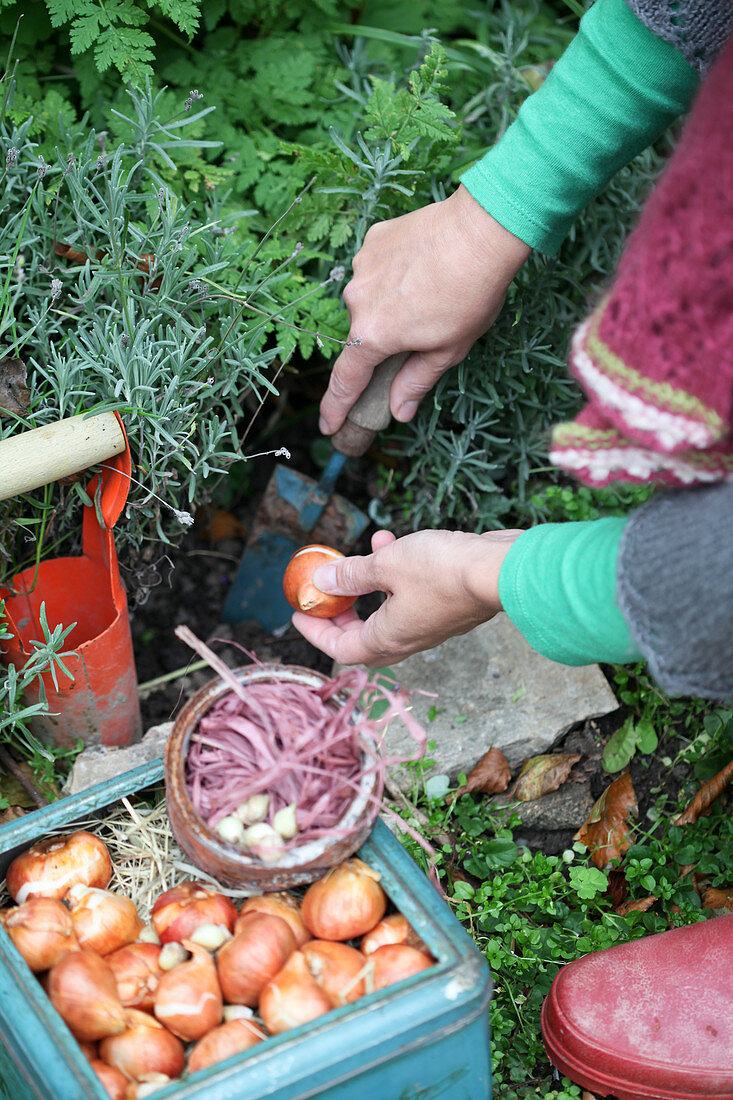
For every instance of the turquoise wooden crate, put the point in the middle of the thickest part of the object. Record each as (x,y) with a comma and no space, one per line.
(426,1039)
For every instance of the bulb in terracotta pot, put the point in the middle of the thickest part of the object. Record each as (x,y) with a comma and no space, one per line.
(83,991)
(223,1042)
(299,589)
(278,904)
(42,931)
(137,973)
(188,1000)
(49,867)
(102,921)
(347,902)
(144,1047)
(180,910)
(247,962)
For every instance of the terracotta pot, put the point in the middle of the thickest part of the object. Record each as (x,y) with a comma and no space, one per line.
(227,863)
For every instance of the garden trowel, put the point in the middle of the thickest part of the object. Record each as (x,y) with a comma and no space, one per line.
(296,510)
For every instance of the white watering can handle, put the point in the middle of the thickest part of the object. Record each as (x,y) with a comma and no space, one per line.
(31,459)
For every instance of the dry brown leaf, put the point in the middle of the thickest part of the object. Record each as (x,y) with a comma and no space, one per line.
(588,1095)
(639,906)
(606,832)
(216,524)
(490,776)
(714,898)
(617,886)
(542,774)
(706,796)
(14,394)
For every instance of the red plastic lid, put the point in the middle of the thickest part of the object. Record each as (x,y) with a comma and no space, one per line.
(648,1020)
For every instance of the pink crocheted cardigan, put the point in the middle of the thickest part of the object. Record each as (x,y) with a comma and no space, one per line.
(656,356)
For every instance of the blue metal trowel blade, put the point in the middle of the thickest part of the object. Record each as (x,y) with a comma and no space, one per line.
(295,510)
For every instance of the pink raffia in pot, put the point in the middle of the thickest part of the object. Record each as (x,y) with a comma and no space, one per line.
(293,735)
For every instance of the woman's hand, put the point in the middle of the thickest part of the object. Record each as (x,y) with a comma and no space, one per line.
(430,282)
(437,584)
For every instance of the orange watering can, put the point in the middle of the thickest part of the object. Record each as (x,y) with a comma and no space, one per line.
(100,704)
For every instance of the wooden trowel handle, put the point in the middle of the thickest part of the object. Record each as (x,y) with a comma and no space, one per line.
(370,412)
(31,459)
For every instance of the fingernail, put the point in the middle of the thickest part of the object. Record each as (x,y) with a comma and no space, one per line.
(324,578)
(406,411)
(323,427)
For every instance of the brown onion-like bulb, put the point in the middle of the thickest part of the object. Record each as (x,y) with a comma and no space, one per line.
(182,909)
(338,969)
(102,921)
(347,902)
(253,957)
(302,594)
(395,962)
(42,930)
(223,1042)
(83,991)
(293,997)
(113,1082)
(188,999)
(279,905)
(143,1048)
(137,974)
(49,867)
(392,929)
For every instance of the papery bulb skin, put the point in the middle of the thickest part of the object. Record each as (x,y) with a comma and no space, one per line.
(390,930)
(340,970)
(82,989)
(278,905)
(293,997)
(137,973)
(113,1082)
(188,1000)
(298,587)
(253,957)
(102,921)
(51,866)
(144,1048)
(347,902)
(223,1042)
(395,962)
(42,931)
(183,908)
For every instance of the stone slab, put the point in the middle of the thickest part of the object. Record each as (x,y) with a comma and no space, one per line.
(492,689)
(97,764)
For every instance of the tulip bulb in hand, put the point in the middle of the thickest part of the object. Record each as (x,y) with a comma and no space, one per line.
(302,594)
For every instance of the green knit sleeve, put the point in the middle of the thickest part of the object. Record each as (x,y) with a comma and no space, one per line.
(614,90)
(558,586)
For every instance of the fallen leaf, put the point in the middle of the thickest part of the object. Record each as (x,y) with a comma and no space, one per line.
(490,776)
(713,898)
(705,797)
(14,393)
(617,887)
(72,254)
(216,524)
(639,906)
(542,774)
(588,1095)
(606,832)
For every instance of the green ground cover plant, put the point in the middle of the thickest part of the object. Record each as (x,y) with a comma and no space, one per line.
(531,913)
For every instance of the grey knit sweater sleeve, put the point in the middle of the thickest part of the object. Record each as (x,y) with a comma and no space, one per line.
(697,28)
(675,588)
